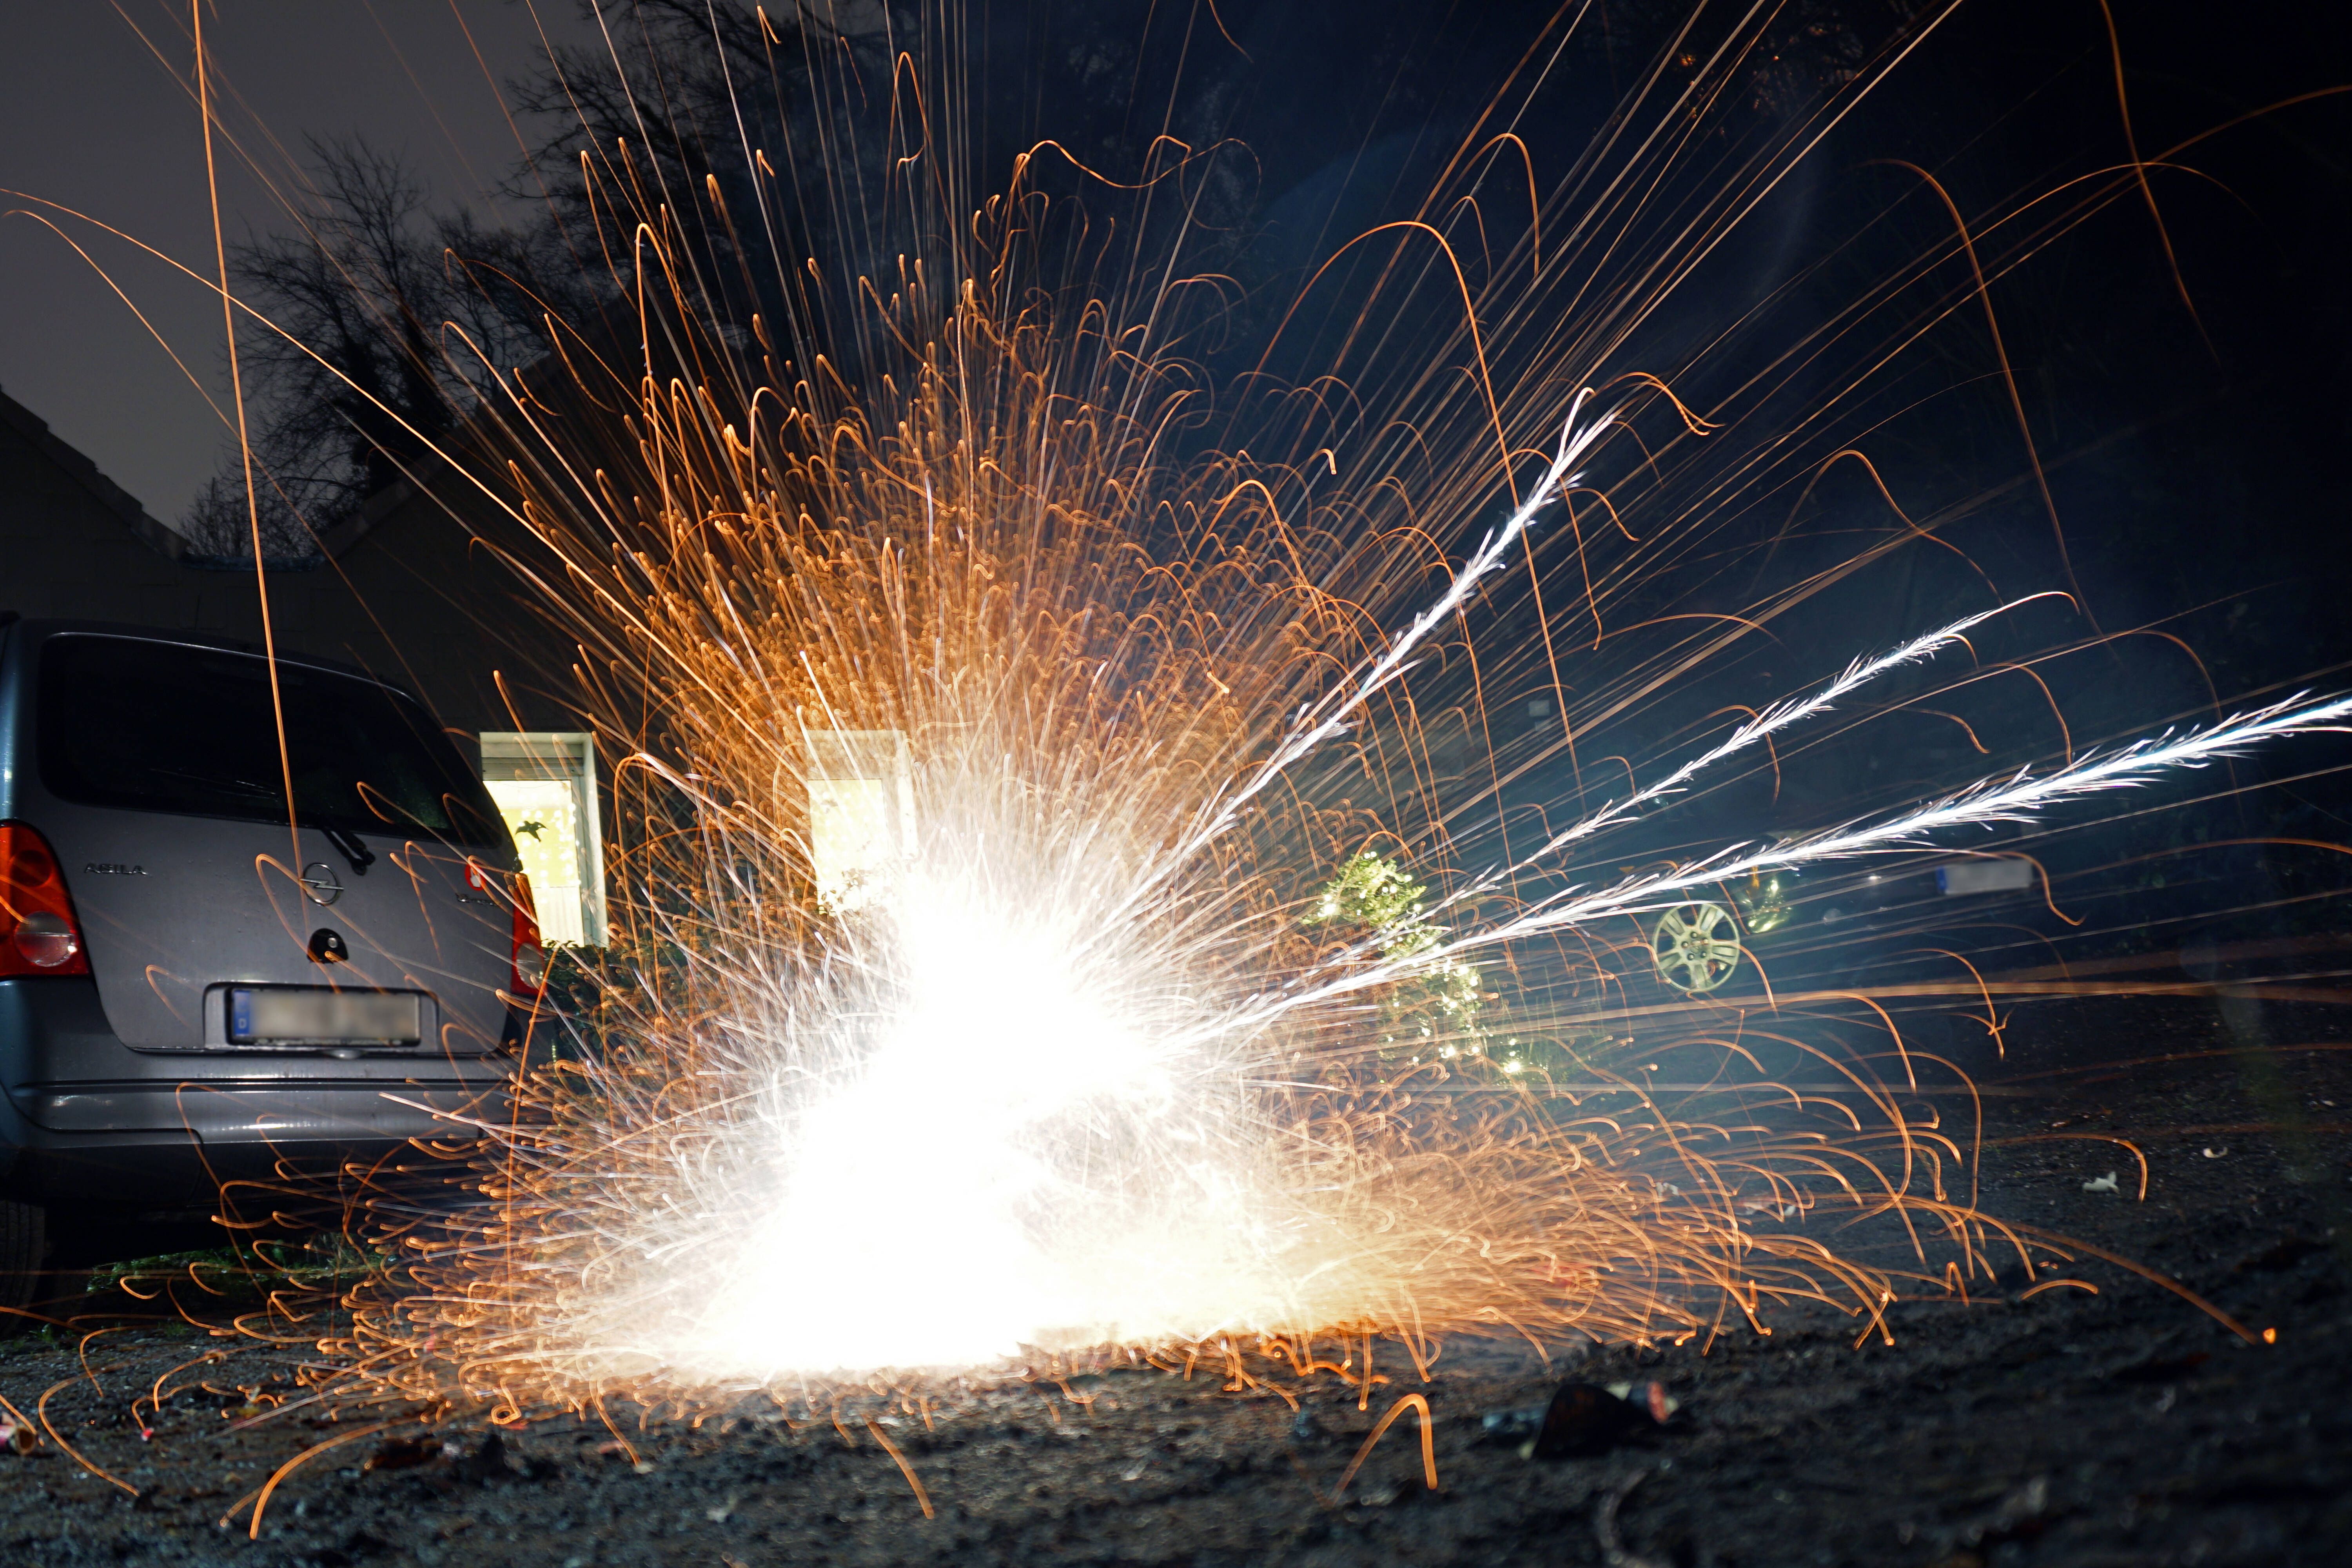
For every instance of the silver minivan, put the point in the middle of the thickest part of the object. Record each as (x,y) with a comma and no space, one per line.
(192,993)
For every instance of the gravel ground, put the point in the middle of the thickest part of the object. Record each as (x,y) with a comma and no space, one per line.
(2121,1427)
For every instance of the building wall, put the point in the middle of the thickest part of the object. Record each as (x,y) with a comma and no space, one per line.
(72,542)
(406,593)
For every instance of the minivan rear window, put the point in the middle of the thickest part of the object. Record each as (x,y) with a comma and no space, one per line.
(170,727)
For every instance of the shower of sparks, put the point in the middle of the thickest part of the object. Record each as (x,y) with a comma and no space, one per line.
(1045,1078)
(1058,1063)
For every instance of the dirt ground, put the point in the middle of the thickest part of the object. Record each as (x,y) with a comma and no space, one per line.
(2123,1428)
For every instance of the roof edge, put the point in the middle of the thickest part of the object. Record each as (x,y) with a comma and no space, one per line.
(160,537)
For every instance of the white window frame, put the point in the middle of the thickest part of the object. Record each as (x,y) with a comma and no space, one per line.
(559,756)
(866,758)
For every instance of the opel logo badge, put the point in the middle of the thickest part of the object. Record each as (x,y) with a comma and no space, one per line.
(320,883)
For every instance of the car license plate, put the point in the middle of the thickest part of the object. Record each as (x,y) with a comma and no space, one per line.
(305,1016)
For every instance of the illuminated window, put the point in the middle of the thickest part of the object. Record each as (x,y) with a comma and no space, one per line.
(861,791)
(545,785)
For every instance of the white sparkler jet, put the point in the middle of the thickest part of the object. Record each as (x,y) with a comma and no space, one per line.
(2015,799)
(995,1123)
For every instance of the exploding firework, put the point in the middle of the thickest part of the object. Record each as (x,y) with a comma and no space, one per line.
(1046,921)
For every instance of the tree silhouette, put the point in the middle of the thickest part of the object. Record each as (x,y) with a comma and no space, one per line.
(383,315)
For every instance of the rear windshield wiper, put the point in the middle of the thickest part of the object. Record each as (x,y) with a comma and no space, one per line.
(358,854)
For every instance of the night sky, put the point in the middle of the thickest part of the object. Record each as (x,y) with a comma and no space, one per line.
(2193,468)
(91,118)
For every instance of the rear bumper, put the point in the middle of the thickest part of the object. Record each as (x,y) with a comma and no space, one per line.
(85,1119)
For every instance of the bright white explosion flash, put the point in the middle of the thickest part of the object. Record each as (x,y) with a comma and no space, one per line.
(997,1122)
(1006,1114)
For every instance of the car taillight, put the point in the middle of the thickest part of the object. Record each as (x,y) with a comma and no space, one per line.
(38,933)
(529,960)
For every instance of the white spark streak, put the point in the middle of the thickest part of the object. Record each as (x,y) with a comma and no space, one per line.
(1769,721)
(1329,716)
(1781,716)
(1988,801)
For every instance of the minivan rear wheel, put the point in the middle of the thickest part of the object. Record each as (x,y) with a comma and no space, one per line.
(24,1247)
